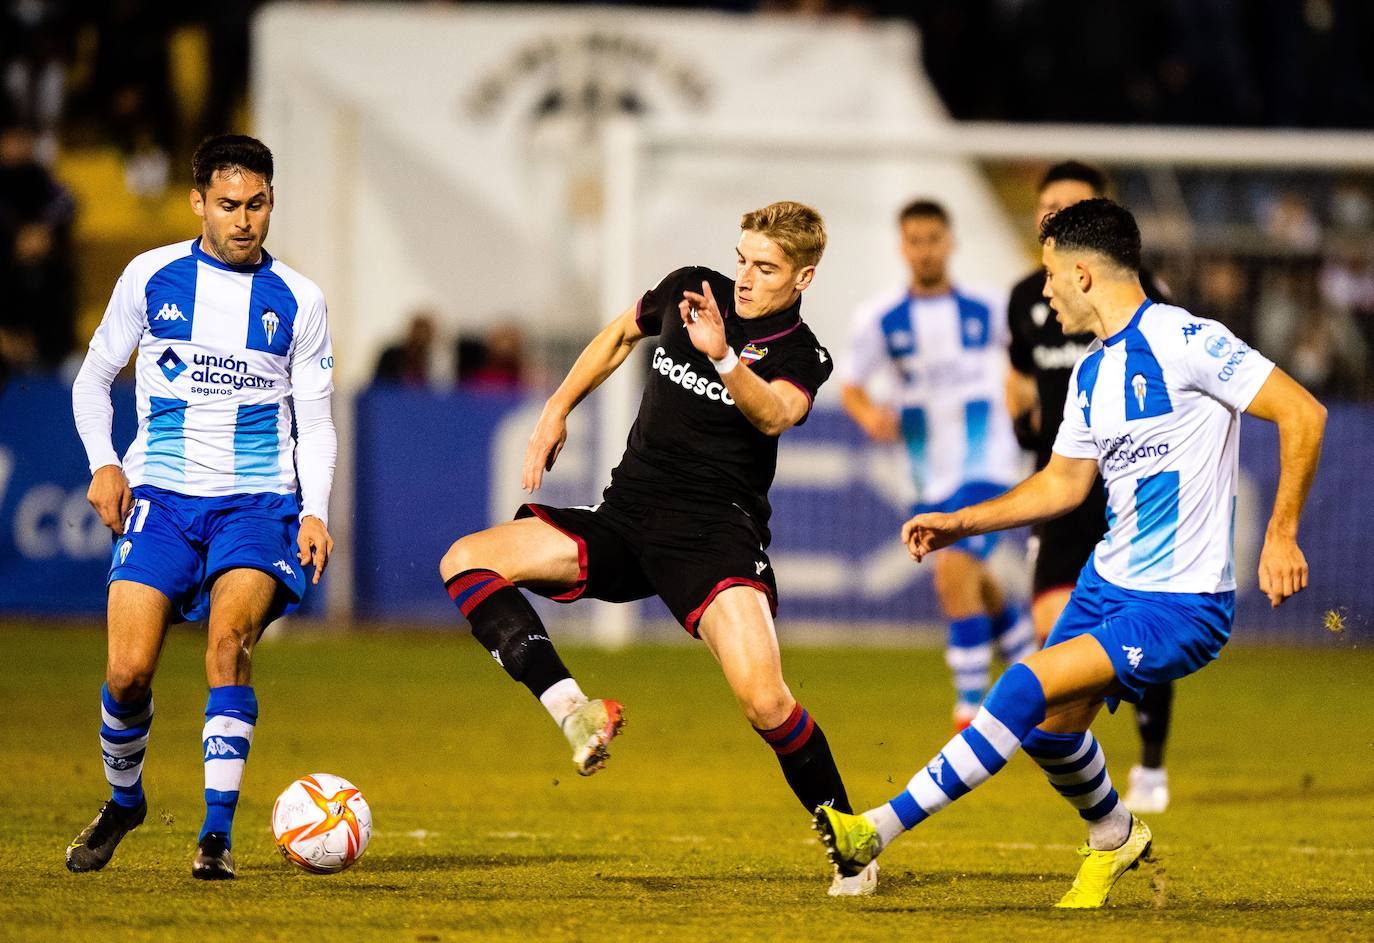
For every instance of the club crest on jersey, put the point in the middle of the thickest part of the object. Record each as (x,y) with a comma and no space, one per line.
(752,354)
(1218,346)
(124,549)
(1138,387)
(270,322)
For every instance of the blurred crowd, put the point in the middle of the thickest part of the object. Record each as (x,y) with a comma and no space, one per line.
(1288,262)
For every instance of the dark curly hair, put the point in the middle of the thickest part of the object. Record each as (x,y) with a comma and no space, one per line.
(1097,225)
(229,152)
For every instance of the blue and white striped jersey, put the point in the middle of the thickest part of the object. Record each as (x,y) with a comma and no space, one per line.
(1158,405)
(221,348)
(948,358)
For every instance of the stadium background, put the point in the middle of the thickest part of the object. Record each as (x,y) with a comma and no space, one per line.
(478,187)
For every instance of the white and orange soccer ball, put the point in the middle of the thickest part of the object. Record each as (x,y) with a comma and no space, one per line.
(322,823)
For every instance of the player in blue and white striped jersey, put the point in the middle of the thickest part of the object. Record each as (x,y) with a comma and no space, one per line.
(945,349)
(1154,406)
(204,504)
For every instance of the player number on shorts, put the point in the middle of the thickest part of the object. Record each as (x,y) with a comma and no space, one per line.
(138,516)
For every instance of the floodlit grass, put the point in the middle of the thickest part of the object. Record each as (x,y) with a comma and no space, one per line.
(484,832)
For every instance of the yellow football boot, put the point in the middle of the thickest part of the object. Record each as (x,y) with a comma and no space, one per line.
(1102,869)
(850,841)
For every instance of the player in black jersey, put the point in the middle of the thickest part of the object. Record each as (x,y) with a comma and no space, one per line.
(1042,359)
(686,514)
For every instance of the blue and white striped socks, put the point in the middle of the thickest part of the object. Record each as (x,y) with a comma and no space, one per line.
(1013,708)
(123,743)
(1014,635)
(1077,769)
(969,657)
(230,714)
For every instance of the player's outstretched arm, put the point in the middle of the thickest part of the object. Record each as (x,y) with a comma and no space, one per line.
(1302,423)
(598,360)
(1056,489)
(772,408)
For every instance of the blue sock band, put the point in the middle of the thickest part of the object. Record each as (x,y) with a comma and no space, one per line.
(1018,701)
(1004,621)
(970,632)
(970,657)
(124,727)
(231,711)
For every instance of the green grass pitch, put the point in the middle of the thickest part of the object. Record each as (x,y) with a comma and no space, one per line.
(484,832)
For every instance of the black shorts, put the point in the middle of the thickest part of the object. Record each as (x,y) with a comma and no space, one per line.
(1066,543)
(627,552)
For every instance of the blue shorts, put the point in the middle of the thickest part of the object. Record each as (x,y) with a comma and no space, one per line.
(1151,638)
(178,544)
(971,492)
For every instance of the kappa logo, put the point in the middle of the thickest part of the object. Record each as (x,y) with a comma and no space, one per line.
(270,322)
(172,365)
(1133,654)
(285,567)
(760,566)
(820,352)
(121,762)
(495,653)
(937,769)
(169,312)
(218,746)
(1189,330)
(1138,387)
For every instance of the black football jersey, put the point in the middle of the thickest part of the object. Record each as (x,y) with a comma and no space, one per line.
(1040,348)
(690,447)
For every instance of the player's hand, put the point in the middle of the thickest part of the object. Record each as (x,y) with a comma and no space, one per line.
(546,442)
(314,545)
(109,494)
(704,324)
(1282,569)
(926,533)
(882,425)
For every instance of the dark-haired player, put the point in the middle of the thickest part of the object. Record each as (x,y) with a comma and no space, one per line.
(1154,406)
(204,505)
(686,515)
(1042,358)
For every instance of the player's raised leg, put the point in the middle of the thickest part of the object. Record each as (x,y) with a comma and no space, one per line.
(481,572)
(138,618)
(738,629)
(241,603)
(1075,673)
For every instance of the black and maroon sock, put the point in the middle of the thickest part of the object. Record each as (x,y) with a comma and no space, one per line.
(1152,716)
(505,623)
(806,761)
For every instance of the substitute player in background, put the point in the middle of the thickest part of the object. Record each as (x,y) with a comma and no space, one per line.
(1155,406)
(946,351)
(686,514)
(1042,358)
(204,505)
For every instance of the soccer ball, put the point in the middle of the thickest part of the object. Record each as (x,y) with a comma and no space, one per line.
(322,823)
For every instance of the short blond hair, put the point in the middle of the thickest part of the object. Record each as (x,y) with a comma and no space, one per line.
(797,229)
